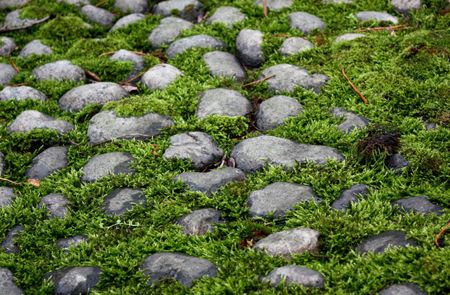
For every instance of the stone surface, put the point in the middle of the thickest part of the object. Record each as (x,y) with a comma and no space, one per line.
(376,16)
(183,268)
(278,198)
(197,41)
(289,242)
(12,3)
(7,196)
(381,242)
(199,222)
(122,200)
(7,46)
(107,164)
(21,93)
(160,76)
(405,6)
(127,20)
(252,154)
(224,64)
(349,37)
(14,21)
(350,196)
(277,109)
(128,56)
(168,30)
(187,9)
(75,280)
(56,204)
(352,121)
(226,15)
(8,245)
(35,47)
(396,162)
(295,45)
(275,4)
(7,72)
(131,6)
(29,120)
(222,102)
(419,204)
(74,241)
(95,93)
(7,284)
(295,275)
(47,162)
(60,70)
(98,15)
(305,22)
(249,47)
(212,181)
(402,289)
(78,3)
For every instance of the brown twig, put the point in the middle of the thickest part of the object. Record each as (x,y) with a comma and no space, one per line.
(5,29)
(437,240)
(203,17)
(282,35)
(10,181)
(132,78)
(258,81)
(390,28)
(107,53)
(13,64)
(92,76)
(266,9)
(363,98)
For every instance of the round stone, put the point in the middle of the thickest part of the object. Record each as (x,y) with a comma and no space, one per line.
(295,275)
(402,289)
(47,162)
(222,102)
(405,6)
(98,15)
(249,47)
(224,64)
(295,45)
(78,3)
(30,120)
(381,242)
(351,122)
(276,110)
(187,9)
(122,200)
(21,93)
(419,204)
(160,76)
(12,3)
(56,204)
(226,15)
(350,196)
(35,47)
(14,21)
(349,37)
(199,222)
(9,246)
(60,70)
(396,162)
(7,72)
(376,16)
(7,283)
(74,241)
(131,6)
(7,196)
(128,20)
(114,163)
(275,4)
(133,58)
(168,30)
(197,41)
(75,280)
(7,46)
(305,22)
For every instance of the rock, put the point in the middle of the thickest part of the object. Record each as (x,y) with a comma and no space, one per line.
(349,37)
(430,126)
(168,30)
(7,196)
(289,242)
(21,93)
(78,3)
(295,45)
(381,242)
(212,181)
(14,21)
(199,222)
(249,47)
(183,268)
(405,6)
(254,153)
(106,126)
(95,93)
(279,198)
(8,287)
(128,56)
(35,47)
(226,15)
(122,200)
(197,41)
(376,16)
(107,164)
(287,77)
(419,204)
(222,102)
(8,245)
(74,241)
(56,205)
(12,3)
(7,72)
(128,20)
(277,109)
(75,280)
(295,275)
(351,122)
(160,76)
(396,162)
(350,196)
(2,164)
(7,46)
(131,6)
(402,289)
(30,119)
(98,15)
(275,4)
(198,147)
(187,9)
(305,22)
(60,70)
(47,162)
(224,64)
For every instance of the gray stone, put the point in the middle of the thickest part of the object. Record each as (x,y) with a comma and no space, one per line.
(95,93)
(275,4)
(198,147)
(295,275)
(349,37)
(278,198)
(21,93)
(29,120)
(376,16)
(396,162)
(14,21)
(199,222)
(405,6)
(295,45)
(212,181)
(60,70)
(276,110)
(197,41)
(430,126)
(56,204)
(74,241)
(9,245)
(168,30)
(287,77)
(350,196)
(381,242)
(122,200)
(35,47)
(2,164)
(187,9)
(131,6)
(161,76)
(128,20)
(7,72)
(47,162)
(419,204)
(403,289)
(352,121)
(12,3)
(226,15)
(289,242)
(222,102)
(305,22)
(183,268)
(254,153)
(128,56)
(78,3)
(7,196)
(98,15)
(75,280)
(106,126)
(7,46)
(114,163)
(249,45)
(8,287)
(224,64)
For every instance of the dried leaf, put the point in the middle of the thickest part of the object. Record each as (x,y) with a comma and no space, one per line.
(34,182)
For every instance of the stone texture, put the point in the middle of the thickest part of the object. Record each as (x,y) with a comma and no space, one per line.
(187,9)
(376,16)
(14,21)
(95,93)
(402,289)
(419,204)
(8,245)
(7,72)
(7,46)
(396,162)
(127,20)
(381,242)
(75,280)
(74,241)
(249,47)
(197,41)
(305,22)
(21,93)
(212,181)
(295,45)
(47,162)
(35,47)
(350,196)
(183,268)
(253,153)
(122,200)
(7,196)
(226,15)
(295,275)
(78,3)
(161,76)
(224,64)
(289,242)
(222,102)
(7,284)
(12,3)
(131,6)
(349,37)
(167,31)
(107,164)
(98,15)
(198,147)
(128,56)
(352,121)
(29,120)
(60,70)
(199,222)
(277,109)
(275,4)
(405,6)
(56,204)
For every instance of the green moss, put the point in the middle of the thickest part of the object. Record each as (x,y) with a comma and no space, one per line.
(33,12)
(65,28)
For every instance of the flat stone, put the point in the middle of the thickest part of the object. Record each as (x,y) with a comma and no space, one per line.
(287,77)
(222,102)
(396,162)
(405,6)
(21,93)
(7,196)
(226,15)
(47,162)
(224,64)
(8,286)
(212,181)
(35,47)
(199,222)
(349,37)
(295,45)
(376,16)
(7,72)
(403,289)
(381,242)
(12,3)
(278,198)
(31,119)
(295,275)
(8,245)
(160,76)
(131,6)
(75,280)
(133,58)
(60,70)
(114,163)
(289,242)
(107,126)
(249,45)
(277,109)
(95,93)
(183,268)
(419,204)
(254,153)
(305,22)
(352,121)
(198,147)
(187,9)
(350,196)
(14,21)
(197,41)
(56,204)
(168,30)
(128,20)
(122,200)
(7,46)
(98,15)
(275,4)
(74,241)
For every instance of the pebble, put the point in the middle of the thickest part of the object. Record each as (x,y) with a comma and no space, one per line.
(31,119)
(122,200)
(98,15)
(189,10)
(224,64)
(78,3)
(21,93)
(7,46)
(14,21)
(381,242)
(197,41)
(127,20)
(167,31)
(131,6)
(114,163)
(249,45)
(275,4)
(226,15)
(405,6)
(419,204)
(8,245)
(128,56)
(222,102)
(8,286)
(352,121)
(7,196)
(350,196)
(295,45)
(276,110)
(349,37)
(47,162)
(56,204)
(295,275)
(199,222)
(35,47)
(376,16)
(305,22)
(7,72)
(75,280)
(60,71)
(160,76)
(396,162)
(403,289)
(12,3)
(74,241)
